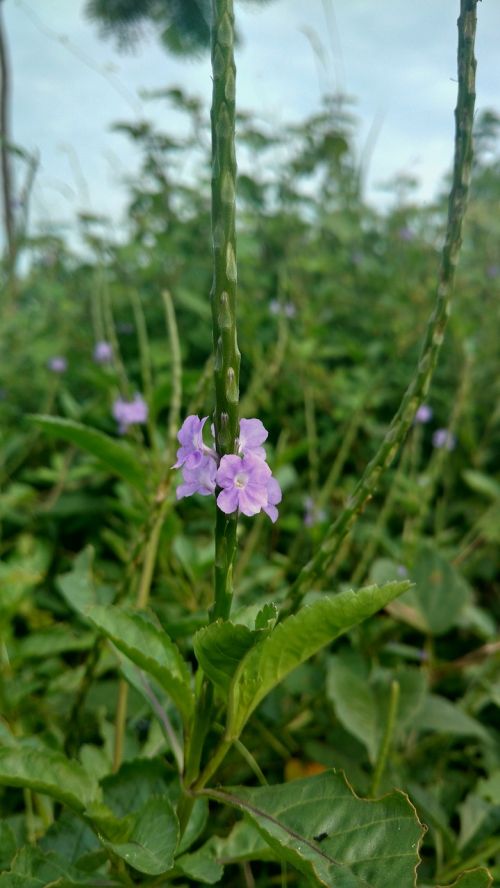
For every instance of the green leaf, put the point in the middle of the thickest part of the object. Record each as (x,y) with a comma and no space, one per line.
(361,699)
(34,868)
(244,842)
(220,647)
(71,838)
(148,647)
(440,593)
(320,827)
(440,715)
(476,878)
(152,840)
(295,640)
(347,686)
(48,772)
(77,587)
(201,865)
(7,845)
(482,483)
(115,455)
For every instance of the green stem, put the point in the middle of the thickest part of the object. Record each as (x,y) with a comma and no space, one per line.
(120,723)
(223,294)
(212,766)
(386,739)
(419,385)
(176,373)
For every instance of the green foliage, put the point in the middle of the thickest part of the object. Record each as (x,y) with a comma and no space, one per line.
(115,455)
(294,641)
(321,828)
(334,297)
(149,648)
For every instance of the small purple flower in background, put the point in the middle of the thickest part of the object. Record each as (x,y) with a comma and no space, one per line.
(423,414)
(57,364)
(190,437)
(312,514)
(129,413)
(244,478)
(493,271)
(244,483)
(200,479)
(287,309)
(103,352)
(443,439)
(401,571)
(405,234)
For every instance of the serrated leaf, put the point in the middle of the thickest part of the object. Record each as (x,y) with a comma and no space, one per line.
(220,647)
(295,640)
(115,455)
(33,868)
(152,840)
(48,772)
(322,829)
(148,647)
(476,878)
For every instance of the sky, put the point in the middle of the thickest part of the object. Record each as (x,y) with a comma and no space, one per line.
(396,59)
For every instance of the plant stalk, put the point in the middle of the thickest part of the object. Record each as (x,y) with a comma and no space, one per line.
(223,294)
(419,385)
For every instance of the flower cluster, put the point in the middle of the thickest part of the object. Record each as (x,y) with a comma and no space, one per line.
(244,478)
(129,413)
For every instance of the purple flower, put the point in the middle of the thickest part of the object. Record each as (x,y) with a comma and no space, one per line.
(405,233)
(274,497)
(287,309)
(493,271)
(190,437)
(57,364)
(103,352)
(129,413)
(245,478)
(252,435)
(312,515)
(444,439)
(423,414)
(401,570)
(244,482)
(200,479)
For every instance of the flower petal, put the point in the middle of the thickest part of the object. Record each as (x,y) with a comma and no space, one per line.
(227,501)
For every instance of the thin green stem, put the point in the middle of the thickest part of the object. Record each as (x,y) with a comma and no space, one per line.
(120,723)
(213,764)
(176,374)
(385,745)
(223,294)
(464,115)
(251,762)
